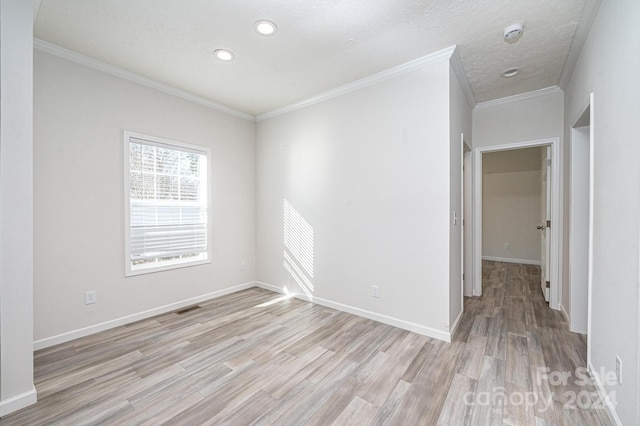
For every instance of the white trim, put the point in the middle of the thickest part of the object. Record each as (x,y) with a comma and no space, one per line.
(576,124)
(512,260)
(638,369)
(271,287)
(405,325)
(556,222)
(565,314)
(455,325)
(611,411)
(467,229)
(591,206)
(78,58)
(519,97)
(86,331)
(458,69)
(362,83)
(202,258)
(18,402)
(589,12)
(476,219)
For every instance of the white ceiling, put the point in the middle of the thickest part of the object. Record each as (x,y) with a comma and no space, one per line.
(320,44)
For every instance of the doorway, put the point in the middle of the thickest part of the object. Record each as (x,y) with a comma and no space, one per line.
(554,241)
(581,224)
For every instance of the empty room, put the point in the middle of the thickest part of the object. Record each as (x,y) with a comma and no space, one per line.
(319,212)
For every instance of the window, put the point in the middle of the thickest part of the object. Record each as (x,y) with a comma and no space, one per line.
(165,204)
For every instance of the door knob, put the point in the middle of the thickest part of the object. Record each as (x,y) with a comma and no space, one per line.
(540,227)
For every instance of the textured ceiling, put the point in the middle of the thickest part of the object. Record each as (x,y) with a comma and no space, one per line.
(320,44)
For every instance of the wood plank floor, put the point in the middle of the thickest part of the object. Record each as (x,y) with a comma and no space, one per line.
(254,357)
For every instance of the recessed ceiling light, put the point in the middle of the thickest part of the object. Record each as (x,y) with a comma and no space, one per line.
(511,72)
(266,28)
(224,54)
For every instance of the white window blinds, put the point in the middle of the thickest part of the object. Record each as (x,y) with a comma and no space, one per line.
(167,190)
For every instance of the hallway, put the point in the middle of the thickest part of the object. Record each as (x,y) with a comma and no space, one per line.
(532,366)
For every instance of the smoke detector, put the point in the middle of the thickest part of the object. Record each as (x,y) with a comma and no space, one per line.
(513,32)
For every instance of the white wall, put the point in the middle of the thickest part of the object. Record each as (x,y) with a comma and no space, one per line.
(608,66)
(369,172)
(511,202)
(537,117)
(16,205)
(79,118)
(459,123)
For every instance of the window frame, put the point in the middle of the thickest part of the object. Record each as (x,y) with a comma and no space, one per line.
(130,270)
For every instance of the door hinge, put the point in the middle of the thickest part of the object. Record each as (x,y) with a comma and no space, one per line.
(548,284)
(548,224)
(462,277)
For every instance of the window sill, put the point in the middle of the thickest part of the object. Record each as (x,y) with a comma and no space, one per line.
(165,266)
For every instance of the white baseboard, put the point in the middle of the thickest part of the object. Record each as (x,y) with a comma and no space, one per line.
(511,260)
(82,332)
(456,323)
(274,288)
(611,410)
(564,313)
(18,402)
(385,319)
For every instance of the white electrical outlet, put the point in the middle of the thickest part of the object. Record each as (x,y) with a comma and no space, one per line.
(507,246)
(90,297)
(619,369)
(376,291)
(243,265)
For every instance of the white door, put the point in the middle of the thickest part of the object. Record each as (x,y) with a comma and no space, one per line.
(545,227)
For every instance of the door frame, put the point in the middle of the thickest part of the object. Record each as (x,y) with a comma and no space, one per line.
(578,123)
(557,227)
(467,220)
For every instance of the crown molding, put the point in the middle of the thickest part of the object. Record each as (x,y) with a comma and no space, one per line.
(362,83)
(70,55)
(519,97)
(589,13)
(458,69)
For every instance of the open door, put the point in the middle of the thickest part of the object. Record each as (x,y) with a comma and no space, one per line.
(545,227)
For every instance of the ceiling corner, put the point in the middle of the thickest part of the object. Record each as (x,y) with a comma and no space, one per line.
(458,69)
(584,25)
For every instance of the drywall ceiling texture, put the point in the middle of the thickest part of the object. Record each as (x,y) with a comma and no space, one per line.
(319,45)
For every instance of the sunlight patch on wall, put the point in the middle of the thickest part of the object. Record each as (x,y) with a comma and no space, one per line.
(298,251)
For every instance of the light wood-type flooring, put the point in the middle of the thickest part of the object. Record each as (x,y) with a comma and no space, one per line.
(254,357)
